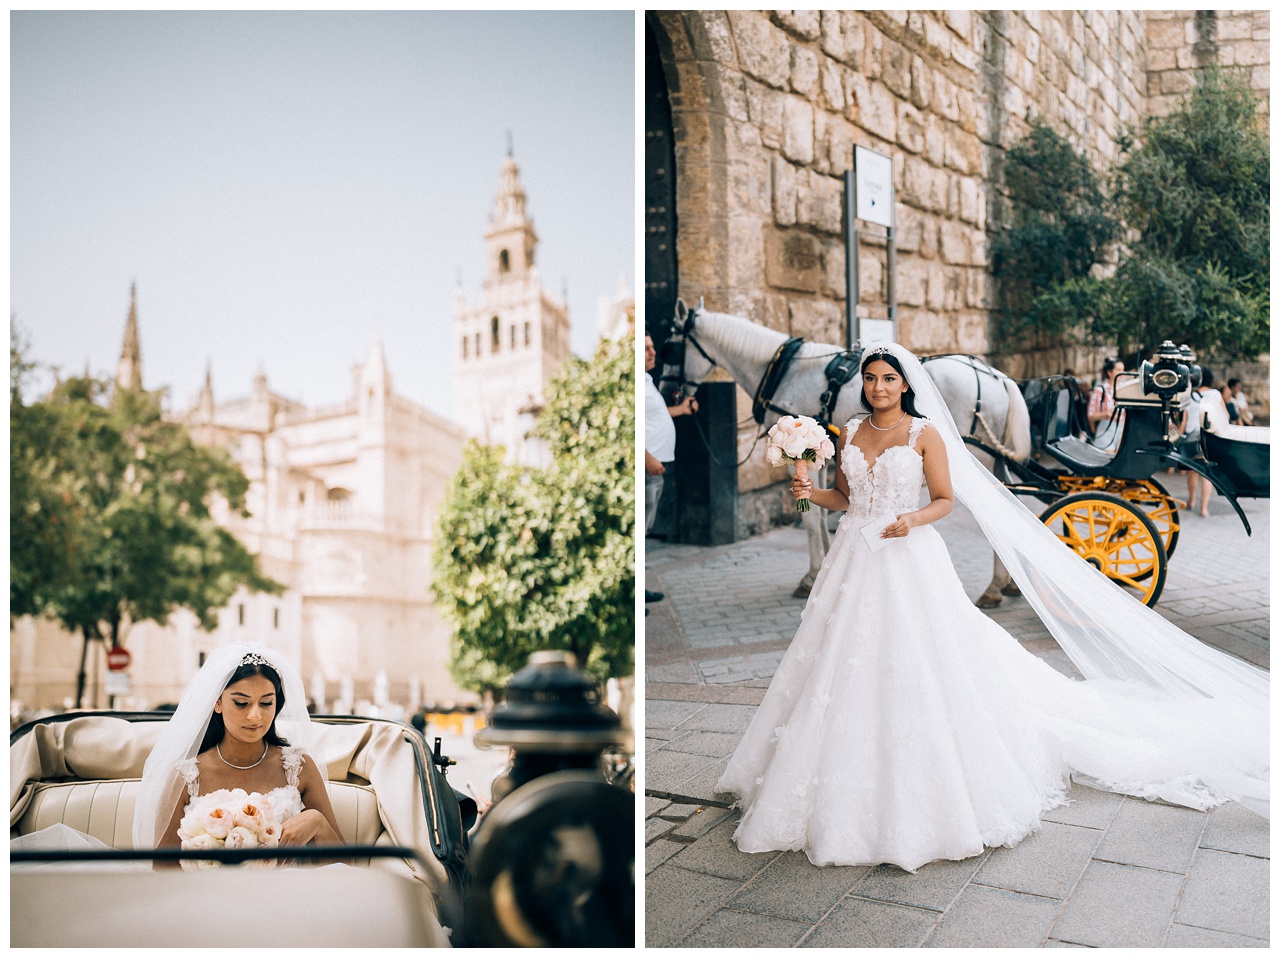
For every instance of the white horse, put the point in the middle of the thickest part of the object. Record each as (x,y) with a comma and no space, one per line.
(985,403)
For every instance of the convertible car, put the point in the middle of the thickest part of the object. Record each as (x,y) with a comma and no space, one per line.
(406,827)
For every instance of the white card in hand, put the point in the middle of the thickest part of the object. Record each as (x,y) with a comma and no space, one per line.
(872,528)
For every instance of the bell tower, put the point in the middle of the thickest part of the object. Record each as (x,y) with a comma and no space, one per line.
(511,342)
(511,240)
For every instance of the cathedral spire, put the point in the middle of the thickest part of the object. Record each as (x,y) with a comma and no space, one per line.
(204,405)
(129,372)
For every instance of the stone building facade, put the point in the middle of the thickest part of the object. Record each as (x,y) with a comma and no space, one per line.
(516,336)
(343,502)
(766,107)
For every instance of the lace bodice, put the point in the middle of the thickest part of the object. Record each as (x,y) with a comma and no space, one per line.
(283,802)
(891,483)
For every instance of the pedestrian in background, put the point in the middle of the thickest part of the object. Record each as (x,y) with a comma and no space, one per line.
(659,442)
(1241,401)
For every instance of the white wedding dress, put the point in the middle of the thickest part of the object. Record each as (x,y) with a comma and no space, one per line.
(282,803)
(904,726)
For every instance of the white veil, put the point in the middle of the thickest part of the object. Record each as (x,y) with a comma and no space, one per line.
(162,783)
(1107,633)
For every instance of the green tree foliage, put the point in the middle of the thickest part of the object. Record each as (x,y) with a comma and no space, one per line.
(110,513)
(1191,198)
(544,558)
(1062,222)
(1196,185)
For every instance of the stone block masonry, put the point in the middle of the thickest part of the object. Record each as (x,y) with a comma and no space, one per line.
(768,105)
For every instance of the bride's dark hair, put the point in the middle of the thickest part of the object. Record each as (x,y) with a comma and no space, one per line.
(908,397)
(217,728)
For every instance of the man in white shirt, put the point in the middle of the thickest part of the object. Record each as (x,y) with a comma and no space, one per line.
(659,442)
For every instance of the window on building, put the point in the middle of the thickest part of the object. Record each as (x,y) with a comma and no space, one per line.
(513,335)
(504,262)
(477,345)
(528,334)
(495,330)
(241,611)
(466,352)
(275,618)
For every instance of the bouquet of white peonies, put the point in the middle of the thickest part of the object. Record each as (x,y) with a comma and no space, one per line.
(228,818)
(798,440)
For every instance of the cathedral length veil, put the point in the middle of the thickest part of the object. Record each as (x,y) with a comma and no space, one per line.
(1221,751)
(161,782)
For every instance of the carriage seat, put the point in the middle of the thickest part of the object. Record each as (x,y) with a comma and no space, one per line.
(1078,455)
(1214,419)
(104,809)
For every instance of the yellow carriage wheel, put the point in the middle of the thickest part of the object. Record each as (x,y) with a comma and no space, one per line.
(1160,507)
(1114,536)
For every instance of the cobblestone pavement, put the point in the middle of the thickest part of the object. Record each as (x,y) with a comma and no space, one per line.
(1105,871)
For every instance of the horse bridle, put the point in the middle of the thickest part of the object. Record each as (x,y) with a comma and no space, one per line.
(673,348)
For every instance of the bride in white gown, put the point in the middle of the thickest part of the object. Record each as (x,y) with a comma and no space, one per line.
(904,726)
(241,724)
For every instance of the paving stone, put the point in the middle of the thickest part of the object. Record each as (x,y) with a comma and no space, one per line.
(1184,936)
(1233,828)
(676,901)
(659,852)
(664,714)
(701,822)
(714,744)
(703,785)
(994,918)
(660,734)
(1228,893)
(716,854)
(735,929)
(1089,807)
(1119,906)
(1054,943)
(1152,835)
(655,828)
(719,718)
(678,811)
(793,887)
(654,805)
(1048,863)
(668,770)
(935,886)
(858,923)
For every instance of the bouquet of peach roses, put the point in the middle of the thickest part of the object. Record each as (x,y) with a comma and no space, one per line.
(798,440)
(228,818)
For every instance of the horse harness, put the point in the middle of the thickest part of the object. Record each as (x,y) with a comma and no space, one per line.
(978,365)
(839,371)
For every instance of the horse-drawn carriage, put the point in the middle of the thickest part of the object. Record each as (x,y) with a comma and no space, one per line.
(1108,507)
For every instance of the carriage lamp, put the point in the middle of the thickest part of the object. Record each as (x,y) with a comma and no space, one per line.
(1188,357)
(1168,375)
(552,863)
(553,719)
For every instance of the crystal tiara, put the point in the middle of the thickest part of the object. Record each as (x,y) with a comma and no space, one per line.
(255,658)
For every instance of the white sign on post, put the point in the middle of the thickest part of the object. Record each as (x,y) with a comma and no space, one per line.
(875,330)
(116,683)
(874,173)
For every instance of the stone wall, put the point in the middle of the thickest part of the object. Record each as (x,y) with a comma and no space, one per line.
(1180,41)
(767,107)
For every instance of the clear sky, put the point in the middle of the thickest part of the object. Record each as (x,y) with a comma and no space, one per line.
(285,187)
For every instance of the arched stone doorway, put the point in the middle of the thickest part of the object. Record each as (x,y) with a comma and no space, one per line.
(699,504)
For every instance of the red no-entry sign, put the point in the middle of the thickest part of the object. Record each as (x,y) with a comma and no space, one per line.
(118,659)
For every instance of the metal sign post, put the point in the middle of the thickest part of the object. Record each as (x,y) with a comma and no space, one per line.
(868,195)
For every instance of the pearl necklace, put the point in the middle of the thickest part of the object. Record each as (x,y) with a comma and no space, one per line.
(242,768)
(872,424)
